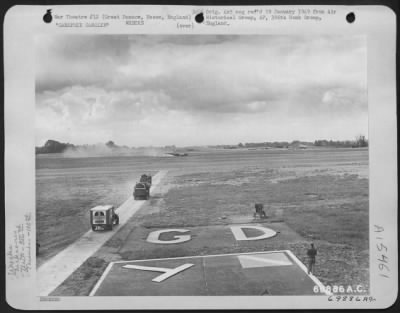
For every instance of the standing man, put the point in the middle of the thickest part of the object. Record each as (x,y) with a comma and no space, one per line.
(311,253)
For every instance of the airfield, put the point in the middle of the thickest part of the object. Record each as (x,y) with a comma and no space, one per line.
(196,202)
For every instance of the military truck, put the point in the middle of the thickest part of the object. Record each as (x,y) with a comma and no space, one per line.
(141,191)
(103,217)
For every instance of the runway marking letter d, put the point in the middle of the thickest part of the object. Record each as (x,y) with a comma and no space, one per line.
(240,235)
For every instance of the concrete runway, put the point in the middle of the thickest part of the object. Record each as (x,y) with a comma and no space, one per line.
(256,273)
(52,273)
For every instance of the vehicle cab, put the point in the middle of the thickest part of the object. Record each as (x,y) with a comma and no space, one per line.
(103,217)
(146,179)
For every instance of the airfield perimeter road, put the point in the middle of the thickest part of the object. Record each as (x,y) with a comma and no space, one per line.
(52,273)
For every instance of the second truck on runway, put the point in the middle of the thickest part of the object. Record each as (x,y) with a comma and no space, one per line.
(142,188)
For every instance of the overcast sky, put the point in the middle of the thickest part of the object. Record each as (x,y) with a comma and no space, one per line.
(199,90)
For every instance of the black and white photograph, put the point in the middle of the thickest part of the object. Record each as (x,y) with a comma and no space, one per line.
(200,158)
(201,165)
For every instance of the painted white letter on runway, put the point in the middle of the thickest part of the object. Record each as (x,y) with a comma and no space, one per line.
(154,236)
(168,272)
(240,235)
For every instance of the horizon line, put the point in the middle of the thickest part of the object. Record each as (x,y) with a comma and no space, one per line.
(206,145)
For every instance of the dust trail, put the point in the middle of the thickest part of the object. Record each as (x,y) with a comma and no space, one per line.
(103,150)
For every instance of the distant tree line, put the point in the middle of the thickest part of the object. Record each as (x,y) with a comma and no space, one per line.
(359,142)
(333,143)
(53,146)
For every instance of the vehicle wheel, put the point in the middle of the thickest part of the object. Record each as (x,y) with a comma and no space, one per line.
(117,220)
(93,228)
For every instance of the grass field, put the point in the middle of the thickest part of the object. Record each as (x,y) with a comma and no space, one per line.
(329,210)
(318,196)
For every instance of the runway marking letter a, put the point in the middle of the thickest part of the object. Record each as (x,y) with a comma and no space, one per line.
(168,272)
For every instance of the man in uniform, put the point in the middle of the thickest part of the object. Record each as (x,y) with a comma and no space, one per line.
(311,253)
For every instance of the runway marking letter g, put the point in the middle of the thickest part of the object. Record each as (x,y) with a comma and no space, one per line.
(154,237)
